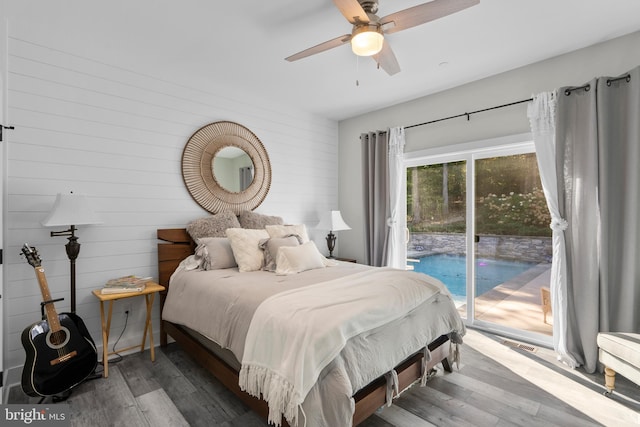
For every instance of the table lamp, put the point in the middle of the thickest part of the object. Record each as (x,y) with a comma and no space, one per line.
(332,221)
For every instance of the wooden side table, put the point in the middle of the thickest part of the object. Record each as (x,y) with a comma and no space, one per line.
(345,259)
(149,293)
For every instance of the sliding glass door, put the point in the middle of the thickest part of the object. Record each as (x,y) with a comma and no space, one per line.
(478,222)
(437,223)
(512,243)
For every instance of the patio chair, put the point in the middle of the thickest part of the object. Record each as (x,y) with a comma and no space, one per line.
(545,295)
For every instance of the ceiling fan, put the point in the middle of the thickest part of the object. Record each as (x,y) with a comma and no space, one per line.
(367,36)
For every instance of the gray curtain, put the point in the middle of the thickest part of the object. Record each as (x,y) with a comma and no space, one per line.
(597,159)
(246,177)
(375,168)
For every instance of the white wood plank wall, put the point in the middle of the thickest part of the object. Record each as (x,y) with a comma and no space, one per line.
(116,135)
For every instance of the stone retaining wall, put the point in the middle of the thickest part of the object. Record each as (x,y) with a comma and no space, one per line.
(521,248)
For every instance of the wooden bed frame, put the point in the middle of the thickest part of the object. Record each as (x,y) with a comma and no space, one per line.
(178,245)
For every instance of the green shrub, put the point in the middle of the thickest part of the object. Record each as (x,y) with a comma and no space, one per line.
(513,214)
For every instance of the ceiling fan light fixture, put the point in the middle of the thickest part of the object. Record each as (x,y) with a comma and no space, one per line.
(366,40)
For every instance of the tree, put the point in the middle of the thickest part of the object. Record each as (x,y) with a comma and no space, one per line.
(415,196)
(445,190)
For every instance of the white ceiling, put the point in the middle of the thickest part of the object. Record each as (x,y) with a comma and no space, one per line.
(238,47)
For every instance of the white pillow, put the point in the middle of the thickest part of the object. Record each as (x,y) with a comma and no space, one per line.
(245,244)
(216,253)
(295,259)
(287,230)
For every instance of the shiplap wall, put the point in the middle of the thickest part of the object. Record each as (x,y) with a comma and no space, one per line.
(116,135)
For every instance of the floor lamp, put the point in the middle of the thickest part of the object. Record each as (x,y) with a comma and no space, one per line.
(71,210)
(332,221)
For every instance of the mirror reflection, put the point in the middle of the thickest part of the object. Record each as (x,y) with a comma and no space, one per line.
(233,169)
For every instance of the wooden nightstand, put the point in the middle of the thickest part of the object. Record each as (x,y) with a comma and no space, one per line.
(149,293)
(346,259)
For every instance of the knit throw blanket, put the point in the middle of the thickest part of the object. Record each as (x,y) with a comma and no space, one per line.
(295,334)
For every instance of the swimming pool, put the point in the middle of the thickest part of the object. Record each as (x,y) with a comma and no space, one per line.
(452,271)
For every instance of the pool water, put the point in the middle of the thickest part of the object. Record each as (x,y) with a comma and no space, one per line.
(452,271)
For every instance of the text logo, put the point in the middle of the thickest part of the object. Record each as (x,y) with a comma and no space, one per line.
(35,415)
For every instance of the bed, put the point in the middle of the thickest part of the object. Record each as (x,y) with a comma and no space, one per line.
(372,365)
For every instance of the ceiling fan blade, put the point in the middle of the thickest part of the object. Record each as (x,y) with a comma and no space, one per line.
(423,13)
(338,41)
(386,59)
(352,11)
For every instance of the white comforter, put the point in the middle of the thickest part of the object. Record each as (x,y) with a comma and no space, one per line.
(286,350)
(220,305)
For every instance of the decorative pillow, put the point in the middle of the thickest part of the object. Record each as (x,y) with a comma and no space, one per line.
(192,262)
(216,253)
(212,226)
(295,259)
(245,244)
(286,230)
(270,249)
(253,220)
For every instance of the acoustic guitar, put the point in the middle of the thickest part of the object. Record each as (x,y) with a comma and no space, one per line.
(60,352)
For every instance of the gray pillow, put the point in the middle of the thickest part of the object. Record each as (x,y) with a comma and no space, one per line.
(212,226)
(253,220)
(270,248)
(216,253)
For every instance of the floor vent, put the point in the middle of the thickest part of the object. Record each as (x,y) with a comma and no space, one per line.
(520,346)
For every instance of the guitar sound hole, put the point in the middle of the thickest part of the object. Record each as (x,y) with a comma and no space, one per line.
(59,338)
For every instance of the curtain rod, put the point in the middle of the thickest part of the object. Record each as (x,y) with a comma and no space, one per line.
(587,87)
(470,113)
(567,92)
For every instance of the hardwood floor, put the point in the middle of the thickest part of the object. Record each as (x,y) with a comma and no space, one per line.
(495,385)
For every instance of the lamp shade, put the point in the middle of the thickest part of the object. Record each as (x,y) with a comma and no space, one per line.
(366,40)
(71,209)
(332,221)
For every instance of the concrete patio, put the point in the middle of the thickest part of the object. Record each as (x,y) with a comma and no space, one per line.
(516,303)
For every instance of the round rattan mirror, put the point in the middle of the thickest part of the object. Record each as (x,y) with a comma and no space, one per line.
(200,179)
(233,169)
